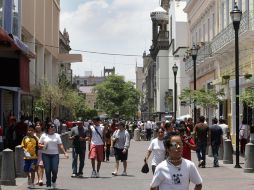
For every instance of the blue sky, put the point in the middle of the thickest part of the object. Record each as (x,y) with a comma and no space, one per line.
(108,26)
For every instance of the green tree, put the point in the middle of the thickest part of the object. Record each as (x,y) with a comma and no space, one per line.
(247,96)
(203,98)
(115,96)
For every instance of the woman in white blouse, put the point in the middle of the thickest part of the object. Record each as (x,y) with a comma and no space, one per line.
(157,148)
(51,142)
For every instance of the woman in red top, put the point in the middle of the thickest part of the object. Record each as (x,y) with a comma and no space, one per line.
(188,141)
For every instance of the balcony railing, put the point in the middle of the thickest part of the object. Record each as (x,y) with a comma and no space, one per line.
(203,53)
(227,35)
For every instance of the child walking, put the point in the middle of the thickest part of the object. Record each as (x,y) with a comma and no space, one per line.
(30,146)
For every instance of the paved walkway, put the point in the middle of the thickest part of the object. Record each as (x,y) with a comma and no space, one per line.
(225,177)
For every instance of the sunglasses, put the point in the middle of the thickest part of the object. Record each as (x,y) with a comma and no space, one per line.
(175,145)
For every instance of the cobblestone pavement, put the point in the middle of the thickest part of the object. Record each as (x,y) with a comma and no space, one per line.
(225,177)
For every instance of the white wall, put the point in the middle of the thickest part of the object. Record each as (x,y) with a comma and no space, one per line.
(161,79)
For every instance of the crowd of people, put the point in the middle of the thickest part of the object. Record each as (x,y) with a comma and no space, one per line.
(171,161)
(42,146)
(170,147)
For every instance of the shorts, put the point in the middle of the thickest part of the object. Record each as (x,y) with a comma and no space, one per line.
(119,155)
(30,165)
(96,152)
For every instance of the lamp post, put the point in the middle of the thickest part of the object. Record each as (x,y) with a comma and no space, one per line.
(175,69)
(194,52)
(236,16)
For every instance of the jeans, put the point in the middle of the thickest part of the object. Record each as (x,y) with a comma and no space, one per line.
(201,152)
(75,156)
(215,151)
(51,162)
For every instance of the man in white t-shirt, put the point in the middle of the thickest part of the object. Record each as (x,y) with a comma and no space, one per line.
(97,145)
(175,172)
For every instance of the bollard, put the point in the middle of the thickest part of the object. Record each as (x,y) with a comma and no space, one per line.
(228,153)
(19,161)
(249,155)
(137,135)
(8,170)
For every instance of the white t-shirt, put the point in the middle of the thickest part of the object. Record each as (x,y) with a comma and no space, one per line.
(168,176)
(51,142)
(158,150)
(96,139)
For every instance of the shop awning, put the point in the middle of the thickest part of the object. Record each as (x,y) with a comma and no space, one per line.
(9,41)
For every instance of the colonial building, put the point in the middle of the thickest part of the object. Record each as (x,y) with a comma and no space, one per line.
(30,43)
(169,37)
(211,28)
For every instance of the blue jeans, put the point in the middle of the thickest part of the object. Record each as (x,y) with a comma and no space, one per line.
(75,156)
(201,152)
(51,162)
(215,150)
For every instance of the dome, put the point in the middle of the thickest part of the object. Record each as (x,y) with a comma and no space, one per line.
(159,14)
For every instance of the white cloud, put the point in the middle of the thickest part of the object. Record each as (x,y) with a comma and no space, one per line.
(113,26)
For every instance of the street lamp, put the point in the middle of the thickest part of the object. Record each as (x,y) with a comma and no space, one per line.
(194,52)
(175,69)
(236,16)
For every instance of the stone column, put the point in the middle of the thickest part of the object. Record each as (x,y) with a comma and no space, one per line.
(19,161)
(8,169)
(228,152)
(249,161)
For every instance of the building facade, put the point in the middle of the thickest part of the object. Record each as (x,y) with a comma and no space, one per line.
(211,27)
(170,41)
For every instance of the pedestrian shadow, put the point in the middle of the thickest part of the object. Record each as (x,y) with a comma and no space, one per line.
(124,176)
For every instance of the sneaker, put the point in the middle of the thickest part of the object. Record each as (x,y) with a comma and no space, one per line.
(54,185)
(31,186)
(40,183)
(200,163)
(93,175)
(114,173)
(29,181)
(80,174)
(97,175)
(124,174)
(74,175)
(49,187)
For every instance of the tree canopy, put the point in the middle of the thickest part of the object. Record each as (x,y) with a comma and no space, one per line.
(117,97)
(247,97)
(203,98)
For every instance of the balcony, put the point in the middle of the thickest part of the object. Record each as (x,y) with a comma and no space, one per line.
(160,43)
(227,35)
(204,52)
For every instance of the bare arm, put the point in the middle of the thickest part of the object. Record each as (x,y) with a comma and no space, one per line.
(148,154)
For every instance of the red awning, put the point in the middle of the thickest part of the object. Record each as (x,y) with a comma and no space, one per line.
(12,42)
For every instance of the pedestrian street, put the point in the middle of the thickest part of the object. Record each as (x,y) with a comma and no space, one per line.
(226,177)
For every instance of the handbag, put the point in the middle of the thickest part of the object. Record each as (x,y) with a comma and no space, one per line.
(145,168)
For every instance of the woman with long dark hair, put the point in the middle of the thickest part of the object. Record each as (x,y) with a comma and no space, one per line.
(51,142)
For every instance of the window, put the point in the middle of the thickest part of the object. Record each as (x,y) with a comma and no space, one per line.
(16,16)
(208,30)
(1,13)
(204,32)
(213,25)
(222,15)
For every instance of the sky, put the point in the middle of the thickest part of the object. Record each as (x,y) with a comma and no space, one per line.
(108,26)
